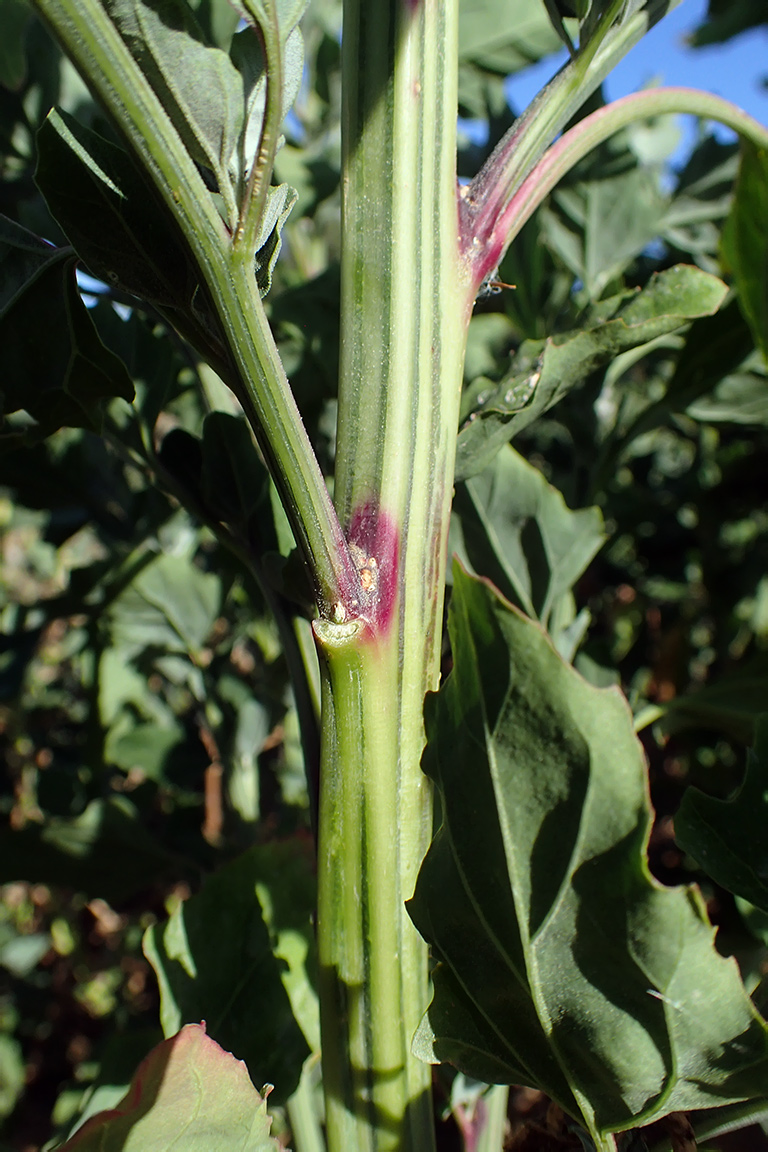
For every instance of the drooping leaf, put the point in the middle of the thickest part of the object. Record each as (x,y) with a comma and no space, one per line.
(564,965)
(540,376)
(727,837)
(65,379)
(215,961)
(188,1095)
(745,241)
(515,528)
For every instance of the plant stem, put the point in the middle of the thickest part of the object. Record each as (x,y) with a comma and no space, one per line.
(600,126)
(405,309)
(256,374)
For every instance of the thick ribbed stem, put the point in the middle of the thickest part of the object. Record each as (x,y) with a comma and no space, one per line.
(405,310)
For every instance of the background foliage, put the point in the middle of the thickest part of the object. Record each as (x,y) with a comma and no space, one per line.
(148,722)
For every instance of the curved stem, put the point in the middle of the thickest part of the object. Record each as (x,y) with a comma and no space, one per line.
(488,195)
(256,374)
(599,126)
(257,188)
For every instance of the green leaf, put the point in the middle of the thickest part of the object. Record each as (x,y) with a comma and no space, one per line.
(14,17)
(496,40)
(280,201)
(198,85)
(604,224)
(730,705)
(214,961)
(727,837)
(564,965)
(514,527)
(542,376)
(745,241)
(66,379)
(187,1096)
(171,605)
(234,482)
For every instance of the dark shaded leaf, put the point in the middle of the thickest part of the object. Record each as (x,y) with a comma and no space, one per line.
(233,480)
(727,837)
(564,965)
(111,213)
(65,379)
(214,961)
(106,852)
(730,705)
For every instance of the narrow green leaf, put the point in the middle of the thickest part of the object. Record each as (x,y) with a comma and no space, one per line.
(564,965)
(214,960)
(515,528)
(745,241)
(727,837)
(539,379)
(188,1095)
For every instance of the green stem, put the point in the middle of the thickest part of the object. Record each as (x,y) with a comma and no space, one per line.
(488,196)
(256,374)
(405,311)
(575,144)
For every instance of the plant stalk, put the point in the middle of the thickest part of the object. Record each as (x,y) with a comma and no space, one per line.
(406,303)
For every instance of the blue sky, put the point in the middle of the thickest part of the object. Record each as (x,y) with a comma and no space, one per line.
(733,70)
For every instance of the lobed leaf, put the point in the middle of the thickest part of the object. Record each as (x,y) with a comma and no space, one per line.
(188,1095)
(563,964)
(515,528)
(671,299)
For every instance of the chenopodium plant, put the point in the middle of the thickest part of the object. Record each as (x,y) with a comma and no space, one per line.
(560,963)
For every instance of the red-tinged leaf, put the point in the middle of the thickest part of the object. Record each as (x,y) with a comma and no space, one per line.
(188,1095)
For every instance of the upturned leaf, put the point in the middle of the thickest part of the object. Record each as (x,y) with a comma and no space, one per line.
(187,1095)
(727,837)
(67,378)
(670,300)
(563,964)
